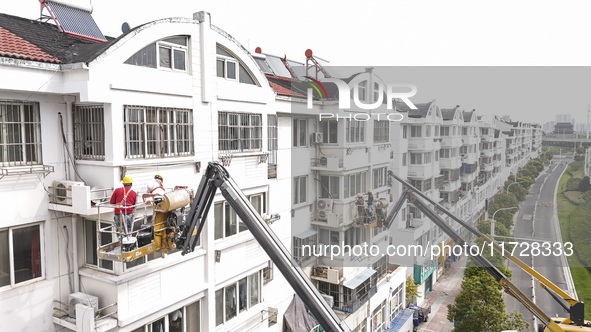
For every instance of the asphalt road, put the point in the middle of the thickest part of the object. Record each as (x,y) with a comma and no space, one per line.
(536,220)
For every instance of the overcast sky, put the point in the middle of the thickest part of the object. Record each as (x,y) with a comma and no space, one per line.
(403,33)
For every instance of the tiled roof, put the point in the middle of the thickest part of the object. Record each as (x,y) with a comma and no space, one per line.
(468,115)
(420,112)
(283,91)
(13,46)
(49,40)
(448,113)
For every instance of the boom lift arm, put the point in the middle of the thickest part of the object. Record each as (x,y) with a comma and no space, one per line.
(216,177)
(576,309)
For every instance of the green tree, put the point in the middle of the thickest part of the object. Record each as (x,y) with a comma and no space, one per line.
(412,290)
(549,155)
(483,226)
(504,201)
(584,185)
(480,305)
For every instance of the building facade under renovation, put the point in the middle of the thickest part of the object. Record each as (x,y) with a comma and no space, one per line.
(79,112)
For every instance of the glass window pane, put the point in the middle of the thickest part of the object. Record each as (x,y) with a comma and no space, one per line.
(253,282)
(90,241)
(230,293)
(27,253)
(303,189)
(179,59)
(4,259)
(165,57)
(257,202)
(242,292)
(230,220)
(334,186)
(244,76)
(231,66)
(219,307)
(220,68)
(175,321)
(194,317)
(219,217)
(157,326)
(177,40)
(303,132)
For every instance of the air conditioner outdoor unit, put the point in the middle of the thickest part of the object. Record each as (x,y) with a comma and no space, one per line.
(324,205)
(62,191)
(317,138)
(82,298)
(333,276)
(329,299)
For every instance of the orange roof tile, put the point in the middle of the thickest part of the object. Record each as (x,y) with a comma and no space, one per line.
(14,46)
(285,91)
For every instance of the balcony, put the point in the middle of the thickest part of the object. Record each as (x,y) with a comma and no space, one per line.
(422,171)
(487,153)
(487,137)
(468,168)
(450,186)
(470,158)
(451,141)
(450,163)
(421,144)
(470,140)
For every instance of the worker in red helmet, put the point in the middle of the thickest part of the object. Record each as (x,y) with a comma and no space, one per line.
(123,197)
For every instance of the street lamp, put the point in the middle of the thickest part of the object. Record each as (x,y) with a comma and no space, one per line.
(510,184)
(492,221)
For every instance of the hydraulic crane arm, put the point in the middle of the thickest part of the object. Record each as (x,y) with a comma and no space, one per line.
(576,309)
(486,264)
(216,177)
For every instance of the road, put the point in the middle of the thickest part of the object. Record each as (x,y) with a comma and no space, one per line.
(536,219)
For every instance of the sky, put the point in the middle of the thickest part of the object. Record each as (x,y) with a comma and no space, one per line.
(402,33)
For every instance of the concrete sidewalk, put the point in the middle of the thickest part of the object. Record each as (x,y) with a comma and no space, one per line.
(444,292)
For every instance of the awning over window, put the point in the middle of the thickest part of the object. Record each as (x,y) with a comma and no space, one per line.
(305,234)
(359,279)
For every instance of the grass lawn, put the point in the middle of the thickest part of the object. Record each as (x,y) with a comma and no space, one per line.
(581,275)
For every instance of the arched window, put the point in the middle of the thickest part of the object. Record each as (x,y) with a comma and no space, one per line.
(167,54)
(230,67)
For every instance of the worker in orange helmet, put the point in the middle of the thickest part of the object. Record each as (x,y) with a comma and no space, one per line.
(124,197)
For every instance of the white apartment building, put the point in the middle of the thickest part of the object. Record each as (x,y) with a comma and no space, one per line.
(173,94)
(165,97)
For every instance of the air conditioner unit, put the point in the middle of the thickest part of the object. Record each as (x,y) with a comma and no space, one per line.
(82,298)
(329,299)
(333,276)
(317,138)
(324,205)
(62,191)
